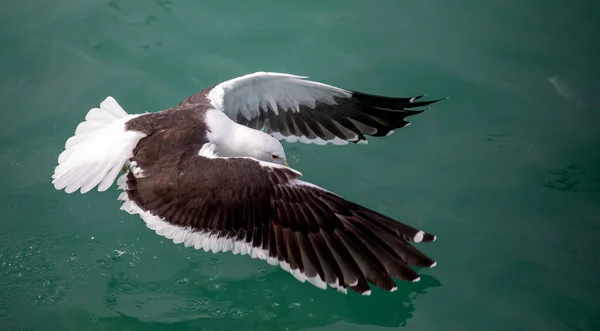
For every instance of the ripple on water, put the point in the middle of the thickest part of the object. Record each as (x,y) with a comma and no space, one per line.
(11,205)
(104,263)
(49,291)
(198,256)
(182,281)
(77,269)
(11,287)
(269,294)
(4,313)
(116,254)
(130,287)
(72,257)
(222,303)
(261,274)
(50,205)
(120,276)
(140,304)
(218,312)
(192,306)
(67,238)
(238,313)
(175,311)
(267,315)
(41,224)
(217,287)
(202,259)
(44,282)
(52,299)
(110,300)
(294,305)
(204,301)
(154,287)
(29,266)
(575,178)
(260,278)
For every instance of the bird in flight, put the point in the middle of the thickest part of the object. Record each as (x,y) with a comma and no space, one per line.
(212,174)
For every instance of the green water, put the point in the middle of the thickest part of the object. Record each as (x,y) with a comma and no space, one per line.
(506,172)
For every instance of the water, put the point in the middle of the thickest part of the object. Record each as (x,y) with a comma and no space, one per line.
(506,172)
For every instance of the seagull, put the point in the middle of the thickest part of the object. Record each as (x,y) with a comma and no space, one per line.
(211,173)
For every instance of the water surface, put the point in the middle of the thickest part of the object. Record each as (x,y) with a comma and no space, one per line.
(506,172)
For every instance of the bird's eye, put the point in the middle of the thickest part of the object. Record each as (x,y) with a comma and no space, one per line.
(275,156)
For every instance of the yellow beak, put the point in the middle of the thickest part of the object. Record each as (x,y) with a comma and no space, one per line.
(286,164)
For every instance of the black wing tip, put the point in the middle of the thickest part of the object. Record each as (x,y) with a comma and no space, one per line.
(426,94)
(400,103)
(411,100)
(429,238)
(413,103)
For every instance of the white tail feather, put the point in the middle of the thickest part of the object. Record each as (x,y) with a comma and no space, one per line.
(98,150)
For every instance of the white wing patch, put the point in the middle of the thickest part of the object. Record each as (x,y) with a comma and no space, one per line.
(248,94)
(208,150)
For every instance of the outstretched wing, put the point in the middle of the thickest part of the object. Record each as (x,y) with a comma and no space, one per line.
(296,109)
(263,210)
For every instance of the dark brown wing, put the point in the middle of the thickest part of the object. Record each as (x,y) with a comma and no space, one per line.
(265,211)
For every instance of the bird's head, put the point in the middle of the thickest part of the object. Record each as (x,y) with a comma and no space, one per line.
(271,151)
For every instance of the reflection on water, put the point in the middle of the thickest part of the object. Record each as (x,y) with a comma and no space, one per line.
(565,91)
(205,302)
(37,272)
(576,178)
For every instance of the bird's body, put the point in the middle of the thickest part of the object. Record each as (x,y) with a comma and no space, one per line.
(206,175)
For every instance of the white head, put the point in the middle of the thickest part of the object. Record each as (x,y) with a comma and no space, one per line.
(234,140)
(267,149)
(244,141)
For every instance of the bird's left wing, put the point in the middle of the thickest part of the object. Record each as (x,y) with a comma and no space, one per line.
(293,108)
(265,211)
